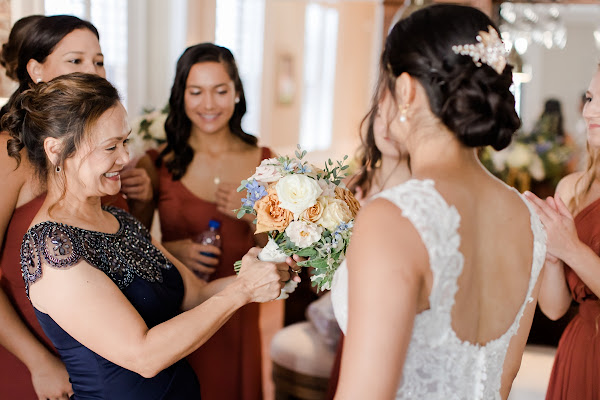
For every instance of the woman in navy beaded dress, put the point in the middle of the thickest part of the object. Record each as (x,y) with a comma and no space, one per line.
(120,310)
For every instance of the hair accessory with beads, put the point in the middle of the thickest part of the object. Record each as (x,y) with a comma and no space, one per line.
(490,50)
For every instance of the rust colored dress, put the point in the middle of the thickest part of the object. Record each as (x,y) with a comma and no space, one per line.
(576,371)
(15,379)
(228,365)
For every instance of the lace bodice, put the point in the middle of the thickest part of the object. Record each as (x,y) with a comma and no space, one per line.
(121,256)
(438,364)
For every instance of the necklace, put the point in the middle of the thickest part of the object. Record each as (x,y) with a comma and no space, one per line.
(387,178)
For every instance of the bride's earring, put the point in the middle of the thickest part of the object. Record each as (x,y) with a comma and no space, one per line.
(403,112)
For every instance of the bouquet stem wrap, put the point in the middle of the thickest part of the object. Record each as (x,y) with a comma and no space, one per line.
(272,253)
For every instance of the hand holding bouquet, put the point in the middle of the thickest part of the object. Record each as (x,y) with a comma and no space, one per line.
(305,211)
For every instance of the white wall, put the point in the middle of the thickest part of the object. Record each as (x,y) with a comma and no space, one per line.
(158,35)
(563,74)
(359,44)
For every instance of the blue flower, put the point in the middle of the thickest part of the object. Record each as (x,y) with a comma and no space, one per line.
(343,227)
(247,202)
(304,169)
(289,166)
(255,192)
(541,148)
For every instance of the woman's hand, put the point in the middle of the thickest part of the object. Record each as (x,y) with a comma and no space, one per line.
(264,280)
(560,228)
(51,380)
(190,254)
(136,185)
(228,199)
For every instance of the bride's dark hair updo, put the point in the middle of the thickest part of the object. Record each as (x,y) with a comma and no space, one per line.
(473,102)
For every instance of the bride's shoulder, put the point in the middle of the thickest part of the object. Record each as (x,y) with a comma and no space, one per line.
(412,187)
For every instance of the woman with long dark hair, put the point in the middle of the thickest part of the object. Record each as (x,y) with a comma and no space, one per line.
(196,176)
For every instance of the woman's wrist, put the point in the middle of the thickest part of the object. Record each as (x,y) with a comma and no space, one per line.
(37,358)
(574,252)
(238,291)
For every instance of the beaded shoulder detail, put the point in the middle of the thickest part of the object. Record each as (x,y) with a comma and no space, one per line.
(121,256)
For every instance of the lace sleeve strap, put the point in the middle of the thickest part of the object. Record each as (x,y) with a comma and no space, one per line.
(426,209)
(50,243)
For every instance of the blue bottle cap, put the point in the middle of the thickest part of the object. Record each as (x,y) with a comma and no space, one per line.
(213,223)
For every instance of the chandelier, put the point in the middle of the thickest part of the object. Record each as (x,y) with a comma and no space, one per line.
(523,24)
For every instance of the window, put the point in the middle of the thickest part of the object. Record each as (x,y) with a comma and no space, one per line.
(240,28)
(110,18)
(320,44)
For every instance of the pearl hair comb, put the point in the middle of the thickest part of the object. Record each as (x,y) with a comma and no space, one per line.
(490,50)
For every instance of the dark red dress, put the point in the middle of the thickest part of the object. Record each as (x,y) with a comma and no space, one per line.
(576,370)
(15,379)
(228,365)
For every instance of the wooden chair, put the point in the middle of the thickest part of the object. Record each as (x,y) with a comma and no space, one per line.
(302,363)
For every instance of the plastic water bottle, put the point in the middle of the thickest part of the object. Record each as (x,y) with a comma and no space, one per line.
(210,236)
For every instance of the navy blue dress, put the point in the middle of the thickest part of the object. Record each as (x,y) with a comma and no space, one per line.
(149,281)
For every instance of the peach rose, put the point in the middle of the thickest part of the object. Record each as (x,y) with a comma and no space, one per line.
(312,214)
(269,215)
(349,199)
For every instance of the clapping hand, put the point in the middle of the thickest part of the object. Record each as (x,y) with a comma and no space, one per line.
(228,199)
(136,185)
(559,224)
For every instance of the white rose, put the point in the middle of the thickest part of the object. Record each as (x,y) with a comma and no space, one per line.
(519,157)
(136,146)
(157,128)
(267,171)
(536,169)
(303,233)
(336,212)
(272,253)
(297,192)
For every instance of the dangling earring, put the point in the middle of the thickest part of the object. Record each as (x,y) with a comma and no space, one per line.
(403,112)
(57,169)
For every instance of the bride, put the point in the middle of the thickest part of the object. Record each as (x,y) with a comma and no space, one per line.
(441,281)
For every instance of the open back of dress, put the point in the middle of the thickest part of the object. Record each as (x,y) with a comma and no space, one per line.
(438,364)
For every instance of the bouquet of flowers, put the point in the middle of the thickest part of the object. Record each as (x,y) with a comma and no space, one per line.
(148,131)
(305,210)
(531,156)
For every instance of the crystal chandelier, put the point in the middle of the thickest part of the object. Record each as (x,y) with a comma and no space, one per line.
(523,24)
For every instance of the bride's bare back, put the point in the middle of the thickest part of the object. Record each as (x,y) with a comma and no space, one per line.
(497,246)
(437,289)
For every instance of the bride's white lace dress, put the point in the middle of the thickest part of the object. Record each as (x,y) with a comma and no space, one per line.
(438,364)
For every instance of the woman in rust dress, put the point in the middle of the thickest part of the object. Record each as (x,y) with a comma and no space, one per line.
(572,268)
(35,52)
(195,177)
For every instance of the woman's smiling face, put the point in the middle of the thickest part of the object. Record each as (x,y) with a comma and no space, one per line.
(94,170)
(591,111)
(209,97)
